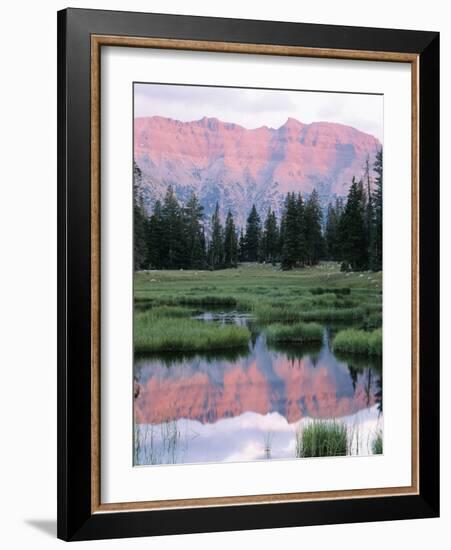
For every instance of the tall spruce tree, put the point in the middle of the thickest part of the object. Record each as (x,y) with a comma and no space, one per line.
(230,242)
(282,231)
(253,236)
(331,232)
(155,237)
(203,245)
(369,214)
(173,250)
(216,246)
(290,232)
(194,240)
(376,262)
(270,239)
(314,240)
(301,230)
(353,234)
(242,247)
(140,228)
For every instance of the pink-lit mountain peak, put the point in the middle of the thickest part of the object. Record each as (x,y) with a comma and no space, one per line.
(236,166)
(293,124)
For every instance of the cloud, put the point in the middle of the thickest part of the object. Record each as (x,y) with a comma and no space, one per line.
(252,108)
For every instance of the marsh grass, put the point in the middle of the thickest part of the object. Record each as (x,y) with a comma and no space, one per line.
(359,342)
(372,307)
(153,333)
(318,294)
(171,311)
(297,311)
(322,438)
(272,313)
(374,320)
(332,314)
(378,446)
(297,333)
(213,300)
(267,441)
(158,444)
(325,290)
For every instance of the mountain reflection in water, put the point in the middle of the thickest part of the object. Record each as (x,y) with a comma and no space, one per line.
(248,405)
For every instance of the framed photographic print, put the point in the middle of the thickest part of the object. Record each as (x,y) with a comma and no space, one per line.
(248,274)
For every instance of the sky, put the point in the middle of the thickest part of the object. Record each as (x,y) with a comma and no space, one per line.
(253,108)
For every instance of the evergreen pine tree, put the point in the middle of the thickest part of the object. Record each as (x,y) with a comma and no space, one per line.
(331,233)
(369,214)
(242,247)
(230,242)
(253,235)
(203,246)
(173,249)
(314,242)
(282,232)
(270,238)
(216,247)
(301,230)
(376,261)
(353,235)
(155,237)
(194,237)
(290,232)
(139,222)
(339,209)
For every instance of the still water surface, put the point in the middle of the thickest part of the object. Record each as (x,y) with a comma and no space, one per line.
(249,404)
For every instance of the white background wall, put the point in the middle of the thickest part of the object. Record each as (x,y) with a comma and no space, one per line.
(28,271)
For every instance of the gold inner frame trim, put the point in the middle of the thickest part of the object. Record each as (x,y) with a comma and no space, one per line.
(97,41)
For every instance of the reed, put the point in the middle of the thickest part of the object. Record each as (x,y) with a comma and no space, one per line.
(359,341)
(297,333)
(378,445)
(322,438)
(332,314)
(268,313)
(153,333)
(209,300)
(374,320)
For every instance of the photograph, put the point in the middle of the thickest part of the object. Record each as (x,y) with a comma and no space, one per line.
(248,272)
(258,279)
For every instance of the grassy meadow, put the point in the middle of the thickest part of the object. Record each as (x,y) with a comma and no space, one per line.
(290,306)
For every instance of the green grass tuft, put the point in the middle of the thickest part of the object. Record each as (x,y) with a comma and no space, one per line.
(325,290)
(299,311)
(297,333)
(209,300)
(322,438)
(378,446)
(374,320)
(359,341)
(332,314)
(154,333)
(271,313)
(171,311)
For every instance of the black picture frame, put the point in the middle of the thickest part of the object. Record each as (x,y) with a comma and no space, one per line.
(76,521)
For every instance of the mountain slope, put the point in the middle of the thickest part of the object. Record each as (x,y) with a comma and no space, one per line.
(238,167)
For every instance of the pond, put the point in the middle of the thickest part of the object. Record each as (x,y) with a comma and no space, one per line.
(250,404)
